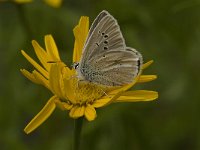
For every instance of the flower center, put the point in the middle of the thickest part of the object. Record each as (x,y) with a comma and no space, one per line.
(86,92)
(82,92)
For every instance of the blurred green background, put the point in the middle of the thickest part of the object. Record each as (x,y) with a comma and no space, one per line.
(167,31)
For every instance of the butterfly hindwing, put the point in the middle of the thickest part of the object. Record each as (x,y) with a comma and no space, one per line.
(116,67)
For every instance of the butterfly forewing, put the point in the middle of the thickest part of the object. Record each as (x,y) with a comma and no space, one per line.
(96,21)
(104,35)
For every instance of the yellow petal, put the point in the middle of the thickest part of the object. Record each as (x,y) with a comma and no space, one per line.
(36,77)
(69,90)
(69,84)
(41,116)
(80,33)
(64,105)
(54,3)
(30,76)
(144,66)
(138,95)
(90,112)
(68,73)
(106,100)
(41,54)
(146,78)
(77,111)
(36,65)
(51,48)
(41,79)
(56,79)
(100,102)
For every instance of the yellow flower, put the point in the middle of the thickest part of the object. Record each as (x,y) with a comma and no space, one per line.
(17,1)
(81,99)
(52,3)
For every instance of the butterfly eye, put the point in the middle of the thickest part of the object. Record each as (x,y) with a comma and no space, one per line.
(102,33)
(76,65)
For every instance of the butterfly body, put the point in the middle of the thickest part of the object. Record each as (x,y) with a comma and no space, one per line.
(105,59)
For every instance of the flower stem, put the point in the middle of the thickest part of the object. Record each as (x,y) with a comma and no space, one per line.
(77,132)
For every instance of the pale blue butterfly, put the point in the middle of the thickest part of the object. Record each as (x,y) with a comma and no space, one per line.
(105,59)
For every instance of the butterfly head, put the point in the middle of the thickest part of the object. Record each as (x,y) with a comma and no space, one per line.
(76,66)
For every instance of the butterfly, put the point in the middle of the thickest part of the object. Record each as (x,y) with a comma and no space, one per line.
(106,60)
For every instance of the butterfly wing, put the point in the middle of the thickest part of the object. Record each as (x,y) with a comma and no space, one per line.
(106,60)
(104,35)
(116,67)
(96,21)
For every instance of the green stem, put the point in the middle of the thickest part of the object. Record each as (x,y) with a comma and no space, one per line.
(77,133)
(24,21)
